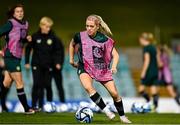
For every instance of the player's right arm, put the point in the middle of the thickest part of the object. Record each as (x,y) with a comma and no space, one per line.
(71,53)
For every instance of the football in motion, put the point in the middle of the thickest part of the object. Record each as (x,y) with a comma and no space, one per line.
(49,107)
(141,108)
(84,115)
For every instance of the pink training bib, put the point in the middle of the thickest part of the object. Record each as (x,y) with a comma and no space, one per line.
(18,32)
(97,57)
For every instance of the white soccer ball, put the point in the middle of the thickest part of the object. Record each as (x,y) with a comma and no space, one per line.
(137,107)
(84,115)
(49,107)
(147,107)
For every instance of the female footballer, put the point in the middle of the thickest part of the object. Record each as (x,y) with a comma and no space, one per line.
(149,73)
(165,74)
(15,32)
(96,51)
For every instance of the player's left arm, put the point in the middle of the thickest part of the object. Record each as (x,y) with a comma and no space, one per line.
(58,55)
(115,60)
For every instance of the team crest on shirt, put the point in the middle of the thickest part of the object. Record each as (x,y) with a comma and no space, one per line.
(34,68)
(38,41)
(49,41)
(18,68)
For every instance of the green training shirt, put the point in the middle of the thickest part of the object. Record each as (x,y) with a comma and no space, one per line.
(152,70)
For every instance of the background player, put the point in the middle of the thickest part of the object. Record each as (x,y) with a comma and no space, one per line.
(149,73)
(15,31)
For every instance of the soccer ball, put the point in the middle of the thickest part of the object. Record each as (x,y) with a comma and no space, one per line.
(147,108)
(84,115)
(137,107)
(49,107)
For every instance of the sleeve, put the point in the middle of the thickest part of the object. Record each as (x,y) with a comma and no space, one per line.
(5,28)
(77,38)
(58,55)
(146,50)
(28,49)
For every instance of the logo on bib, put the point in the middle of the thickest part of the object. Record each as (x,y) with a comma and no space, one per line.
(97,52)
(49,41)
(38,41)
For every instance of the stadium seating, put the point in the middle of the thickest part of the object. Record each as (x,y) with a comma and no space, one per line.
(175,66)
(74,90)
(127,80)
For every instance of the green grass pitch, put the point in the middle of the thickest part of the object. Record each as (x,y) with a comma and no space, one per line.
(68,118)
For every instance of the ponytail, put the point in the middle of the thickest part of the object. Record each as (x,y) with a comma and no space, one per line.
(103,27)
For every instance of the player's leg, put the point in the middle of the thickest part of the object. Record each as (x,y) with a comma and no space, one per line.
(143,93)
(57,74)
(41,84)
(155,95)
(48,85)
(87,84)
(36,87)
(173,93)
(110,86)
(17,77)
(5,85)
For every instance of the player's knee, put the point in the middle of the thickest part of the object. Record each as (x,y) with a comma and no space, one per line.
(19,84)
(89,89)
(115,96)
(7,83)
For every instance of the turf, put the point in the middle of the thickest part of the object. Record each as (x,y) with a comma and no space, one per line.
(68,118)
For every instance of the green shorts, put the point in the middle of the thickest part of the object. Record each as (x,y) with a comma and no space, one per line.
(149,81)
(12,64)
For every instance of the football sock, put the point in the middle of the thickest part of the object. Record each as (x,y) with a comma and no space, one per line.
(155,100)
(177,98)
(119,107)
(3,95)
(96,98)
(145,95)
(22,98)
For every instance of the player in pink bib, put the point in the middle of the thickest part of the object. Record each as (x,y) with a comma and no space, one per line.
(96,51)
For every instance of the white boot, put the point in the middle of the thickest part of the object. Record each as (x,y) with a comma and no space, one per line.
(124,119)
(108,113)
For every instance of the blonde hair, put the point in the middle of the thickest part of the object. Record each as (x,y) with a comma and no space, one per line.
(46,20)
(148,36)
(103,27)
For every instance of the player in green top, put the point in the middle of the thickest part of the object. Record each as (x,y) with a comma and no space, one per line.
(96,51)
(15,32)
(149,73)
(99,37)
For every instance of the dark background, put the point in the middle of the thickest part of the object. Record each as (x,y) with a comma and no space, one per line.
(126,18)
